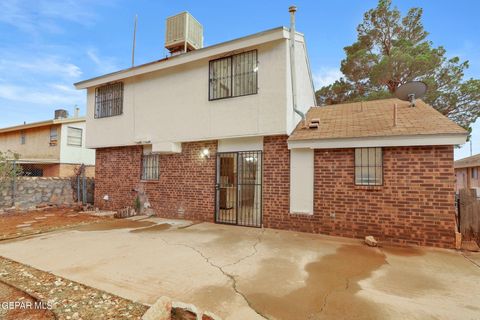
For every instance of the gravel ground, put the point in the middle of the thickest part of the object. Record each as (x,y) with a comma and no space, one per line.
(70,300)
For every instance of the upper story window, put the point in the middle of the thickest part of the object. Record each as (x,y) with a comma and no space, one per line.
(475,173)
(74,137)
(22,137)
(233,76)
(109,100)
(368,166)
(53,136)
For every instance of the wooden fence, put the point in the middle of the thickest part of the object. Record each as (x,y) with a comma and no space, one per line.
(469,214)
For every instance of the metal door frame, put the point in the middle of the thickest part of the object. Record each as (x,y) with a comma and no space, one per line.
(259,154)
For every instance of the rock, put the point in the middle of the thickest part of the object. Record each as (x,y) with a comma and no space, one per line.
(470,246)
(185,310)
(370,240)
(160,310)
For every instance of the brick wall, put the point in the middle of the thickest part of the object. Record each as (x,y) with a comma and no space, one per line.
(185,189)
(117,173)
(414,206)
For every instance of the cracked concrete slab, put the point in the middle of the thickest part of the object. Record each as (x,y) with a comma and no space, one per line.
(249,273)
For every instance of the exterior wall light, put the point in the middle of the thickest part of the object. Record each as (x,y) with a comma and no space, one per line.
(205,153)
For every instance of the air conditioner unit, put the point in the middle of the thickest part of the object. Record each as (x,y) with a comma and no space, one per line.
(183,33)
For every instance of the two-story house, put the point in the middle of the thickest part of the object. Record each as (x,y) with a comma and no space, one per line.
(467,171)
(229,134)
(51,148)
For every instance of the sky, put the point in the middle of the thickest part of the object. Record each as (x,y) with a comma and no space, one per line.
(47,45)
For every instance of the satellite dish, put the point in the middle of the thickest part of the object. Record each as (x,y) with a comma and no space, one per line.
(410,91)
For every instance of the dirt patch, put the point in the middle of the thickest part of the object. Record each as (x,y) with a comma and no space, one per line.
(69,299)
(41,221)
(115,224)
(329,288)
(155,228)
(9,294)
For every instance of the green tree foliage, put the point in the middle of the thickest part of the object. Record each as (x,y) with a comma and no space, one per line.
(8,170)
(391,50)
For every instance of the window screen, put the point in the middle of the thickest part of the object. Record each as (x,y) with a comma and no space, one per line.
(53,135)
(233,76)
(150,166)
(74,137)
(109,100)
(368,166)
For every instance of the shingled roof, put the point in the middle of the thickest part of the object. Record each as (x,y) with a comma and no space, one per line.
(473,161)
(375,119)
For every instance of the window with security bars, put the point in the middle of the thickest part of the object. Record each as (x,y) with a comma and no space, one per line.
(109,100)
(233,76)
(150,170)
(74,137)
(368,166)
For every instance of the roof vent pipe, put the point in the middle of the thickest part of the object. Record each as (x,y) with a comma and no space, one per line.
(292,10)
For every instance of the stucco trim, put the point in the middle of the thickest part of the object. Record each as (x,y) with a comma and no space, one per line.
(390,141)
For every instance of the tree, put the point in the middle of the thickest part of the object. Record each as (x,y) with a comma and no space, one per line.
(8,170)
(391,50)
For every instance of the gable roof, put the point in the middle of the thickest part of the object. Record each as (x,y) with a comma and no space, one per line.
(213,50)
(41,124)
(375,119)
(473,161)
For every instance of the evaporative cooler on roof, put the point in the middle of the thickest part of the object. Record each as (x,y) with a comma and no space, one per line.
(183,33)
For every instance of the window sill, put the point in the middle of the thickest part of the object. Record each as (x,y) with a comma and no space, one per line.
(366,187)
(149,181)
(301,213)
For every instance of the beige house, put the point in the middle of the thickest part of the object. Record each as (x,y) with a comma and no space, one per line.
(467,173)
(51,148)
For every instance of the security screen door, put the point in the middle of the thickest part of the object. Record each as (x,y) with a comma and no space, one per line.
(238,197)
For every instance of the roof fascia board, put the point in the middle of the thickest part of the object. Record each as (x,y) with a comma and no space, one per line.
(41,124)
(389,141)
(232,45)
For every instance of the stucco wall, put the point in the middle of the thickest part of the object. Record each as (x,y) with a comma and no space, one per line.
(73,154)
(172,105)
(37,143)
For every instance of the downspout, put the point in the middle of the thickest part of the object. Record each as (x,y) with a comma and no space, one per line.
(293,74)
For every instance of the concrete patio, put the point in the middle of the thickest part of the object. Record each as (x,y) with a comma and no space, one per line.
(248,273)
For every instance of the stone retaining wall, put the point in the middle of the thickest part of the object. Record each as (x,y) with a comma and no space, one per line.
(37,191)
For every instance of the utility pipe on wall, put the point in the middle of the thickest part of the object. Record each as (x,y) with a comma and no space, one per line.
(292,10)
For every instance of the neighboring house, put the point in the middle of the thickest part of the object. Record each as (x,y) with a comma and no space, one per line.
(467,173)
(211,134)
(52,148)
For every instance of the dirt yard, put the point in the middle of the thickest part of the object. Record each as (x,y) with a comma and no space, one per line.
(9,293)
(68,299)
(19,224)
